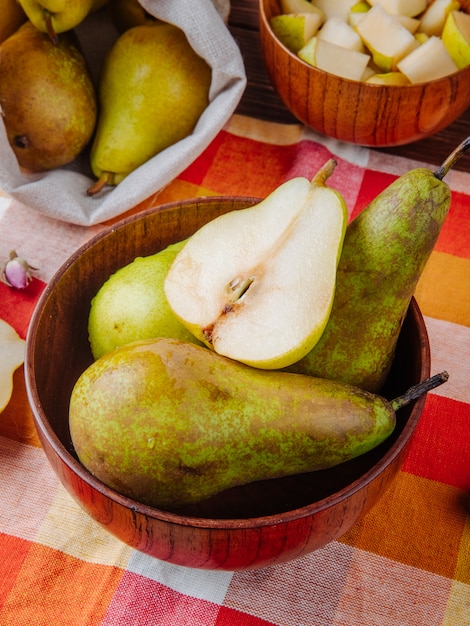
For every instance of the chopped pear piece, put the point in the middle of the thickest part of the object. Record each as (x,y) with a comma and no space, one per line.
(368,72)
(354,19)
(294,30)
(335,8)
(411,8)
(421,37)
(387,39)
(410,23)
(360,7)
(334,59)
(456,37)
(434,18)
(257,285)
(429,61)
(11,357)
(301,6)
(341,34)
(390,78)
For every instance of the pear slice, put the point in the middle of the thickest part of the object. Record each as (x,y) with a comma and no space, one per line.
(355,18)
(360,7)
(335,8)
(390,78)
(456,37)
(410,8)
(410,23)
(434,18)
(11,357)
(429,61)
(301,6)
(257,284)
(295,29)
(357,13)
(334,59)
(341,34)
(387,39)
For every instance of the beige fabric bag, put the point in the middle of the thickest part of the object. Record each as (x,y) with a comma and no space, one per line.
(61,193)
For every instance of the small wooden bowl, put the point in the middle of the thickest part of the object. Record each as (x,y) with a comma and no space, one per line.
(247,527)
(356,112)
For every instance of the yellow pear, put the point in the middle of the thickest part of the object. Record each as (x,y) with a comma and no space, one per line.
(152,91)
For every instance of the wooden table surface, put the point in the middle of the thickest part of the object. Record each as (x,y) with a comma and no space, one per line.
(261,101)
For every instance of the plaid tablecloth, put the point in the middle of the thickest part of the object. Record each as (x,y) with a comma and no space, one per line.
(407,563)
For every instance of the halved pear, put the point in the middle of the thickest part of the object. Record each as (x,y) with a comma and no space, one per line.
(384,36)
(295,29)
(334,59)
(12,349)
(456,37)
(433,19)
(429,61)
(341,34)
(257,285)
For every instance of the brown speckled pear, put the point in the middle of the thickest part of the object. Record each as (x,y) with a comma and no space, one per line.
(48,99)
(169,423)
(384,254)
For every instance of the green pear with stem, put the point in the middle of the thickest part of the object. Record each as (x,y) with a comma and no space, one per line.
(169,423)
(153,90)
(385,251)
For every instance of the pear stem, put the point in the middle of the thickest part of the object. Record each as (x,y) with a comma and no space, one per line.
(418,390)
(102,181)
(53,36)
(452,159)
(324,172)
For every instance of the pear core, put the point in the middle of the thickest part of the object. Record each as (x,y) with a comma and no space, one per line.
(257,285)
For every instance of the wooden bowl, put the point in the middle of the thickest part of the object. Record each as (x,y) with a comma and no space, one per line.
(247,527)
(356,112)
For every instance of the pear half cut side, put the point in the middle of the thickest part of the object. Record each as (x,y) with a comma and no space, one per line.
(257,285)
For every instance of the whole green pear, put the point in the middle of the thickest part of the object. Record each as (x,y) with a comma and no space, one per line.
(152,91)
(169,423)
(385,250)
(131,305)
(48,100)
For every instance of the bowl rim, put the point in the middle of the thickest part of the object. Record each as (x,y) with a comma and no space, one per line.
(45,430)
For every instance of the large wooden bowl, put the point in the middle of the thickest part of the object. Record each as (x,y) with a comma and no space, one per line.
(248,527)
(356,112)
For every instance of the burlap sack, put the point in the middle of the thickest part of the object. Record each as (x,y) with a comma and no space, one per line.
(61,193)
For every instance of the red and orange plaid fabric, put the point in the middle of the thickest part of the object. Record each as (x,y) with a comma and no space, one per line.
(407,563)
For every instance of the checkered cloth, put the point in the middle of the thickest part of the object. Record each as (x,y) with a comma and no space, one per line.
(406,563)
